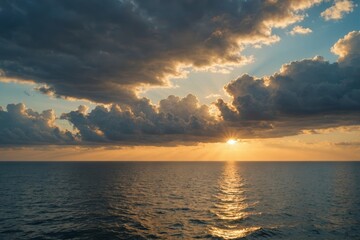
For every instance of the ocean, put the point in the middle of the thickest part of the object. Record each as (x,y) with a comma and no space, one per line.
(179,200)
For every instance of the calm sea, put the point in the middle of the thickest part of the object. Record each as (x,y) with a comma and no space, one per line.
(179,200)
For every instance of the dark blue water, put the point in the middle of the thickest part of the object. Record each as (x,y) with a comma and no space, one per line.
(180,200)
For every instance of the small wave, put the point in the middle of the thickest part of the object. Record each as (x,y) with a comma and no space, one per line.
(180,209)
(230,198)
(177,226)
(136,226)
(198,222)
(231,191)
(247,232)
(175,196)
(232,206)
(10,231)
(232,233)
(262,233)
(232,216)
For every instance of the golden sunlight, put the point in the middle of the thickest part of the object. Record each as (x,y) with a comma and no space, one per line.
(231,141)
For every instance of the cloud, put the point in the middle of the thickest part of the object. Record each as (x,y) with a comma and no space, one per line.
(104,51)
(338,10)
(308,94)
(311,93)
(213,95)
(300,30)
(176,120)
(348,49)
(348,144)
(22,126)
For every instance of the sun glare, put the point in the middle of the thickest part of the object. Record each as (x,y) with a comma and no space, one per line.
(231,141)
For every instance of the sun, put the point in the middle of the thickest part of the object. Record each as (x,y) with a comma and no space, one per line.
(231,141)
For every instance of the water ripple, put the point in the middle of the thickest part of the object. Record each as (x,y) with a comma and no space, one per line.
(232,206)
(179,200)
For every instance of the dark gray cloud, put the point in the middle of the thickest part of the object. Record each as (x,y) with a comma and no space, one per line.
(308,93)
(104,50)
(22,126)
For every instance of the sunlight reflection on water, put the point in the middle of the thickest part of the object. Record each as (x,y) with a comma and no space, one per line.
(232,206)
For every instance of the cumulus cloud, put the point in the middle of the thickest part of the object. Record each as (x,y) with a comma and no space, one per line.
(307,93)
(22,126)
(338,10)
(348,49)
(105,50)
(300,30)
(174,120)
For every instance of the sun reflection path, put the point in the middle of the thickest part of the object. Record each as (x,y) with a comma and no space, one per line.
(231,206)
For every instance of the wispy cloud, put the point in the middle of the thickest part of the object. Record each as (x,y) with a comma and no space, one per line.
(214,95)
(300,30)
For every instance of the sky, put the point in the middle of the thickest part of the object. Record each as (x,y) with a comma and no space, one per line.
(176,80)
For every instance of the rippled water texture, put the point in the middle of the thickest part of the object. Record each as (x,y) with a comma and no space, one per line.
(180,200)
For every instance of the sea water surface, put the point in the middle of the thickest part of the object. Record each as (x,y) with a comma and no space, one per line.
(179,200)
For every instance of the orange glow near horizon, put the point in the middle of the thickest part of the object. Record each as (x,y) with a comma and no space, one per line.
(279,149)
